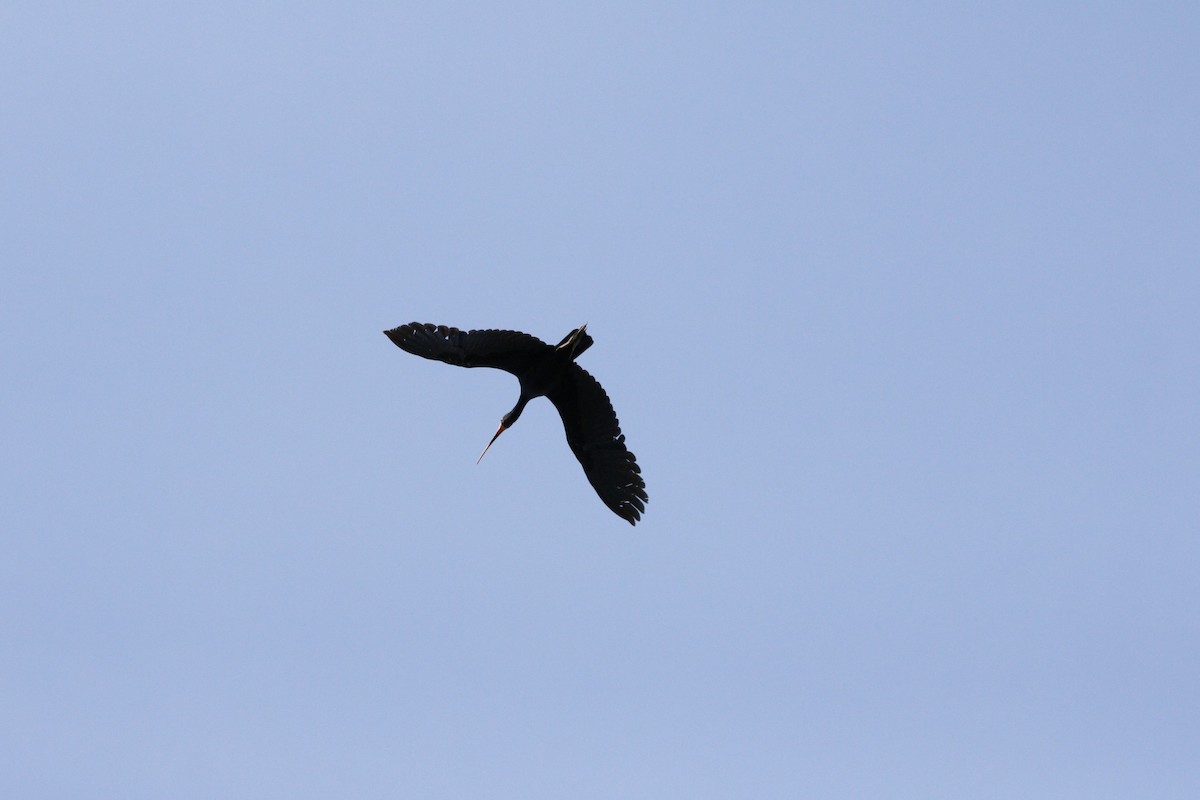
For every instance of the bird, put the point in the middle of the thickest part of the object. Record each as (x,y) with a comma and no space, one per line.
(592,429)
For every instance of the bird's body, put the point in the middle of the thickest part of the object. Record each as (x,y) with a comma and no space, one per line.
(591,425)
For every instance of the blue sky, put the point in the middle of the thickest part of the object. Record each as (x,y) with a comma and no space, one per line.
(897,306)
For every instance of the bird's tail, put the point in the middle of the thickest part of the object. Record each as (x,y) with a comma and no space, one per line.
(576,341)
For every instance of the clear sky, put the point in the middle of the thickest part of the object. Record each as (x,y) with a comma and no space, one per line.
(897,304)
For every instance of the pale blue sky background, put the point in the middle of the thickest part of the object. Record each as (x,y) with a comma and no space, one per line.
(897,304)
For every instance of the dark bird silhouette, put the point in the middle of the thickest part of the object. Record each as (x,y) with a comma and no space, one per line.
(591,425)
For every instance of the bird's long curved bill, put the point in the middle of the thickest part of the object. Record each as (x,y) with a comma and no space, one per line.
(499,431)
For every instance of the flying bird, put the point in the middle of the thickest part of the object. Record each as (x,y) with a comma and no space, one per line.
(591,425)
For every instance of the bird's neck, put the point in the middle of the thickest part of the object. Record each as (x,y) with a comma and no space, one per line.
(512,416)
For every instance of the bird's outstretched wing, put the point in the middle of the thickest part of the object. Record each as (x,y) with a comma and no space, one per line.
(595,437)
(507,350)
